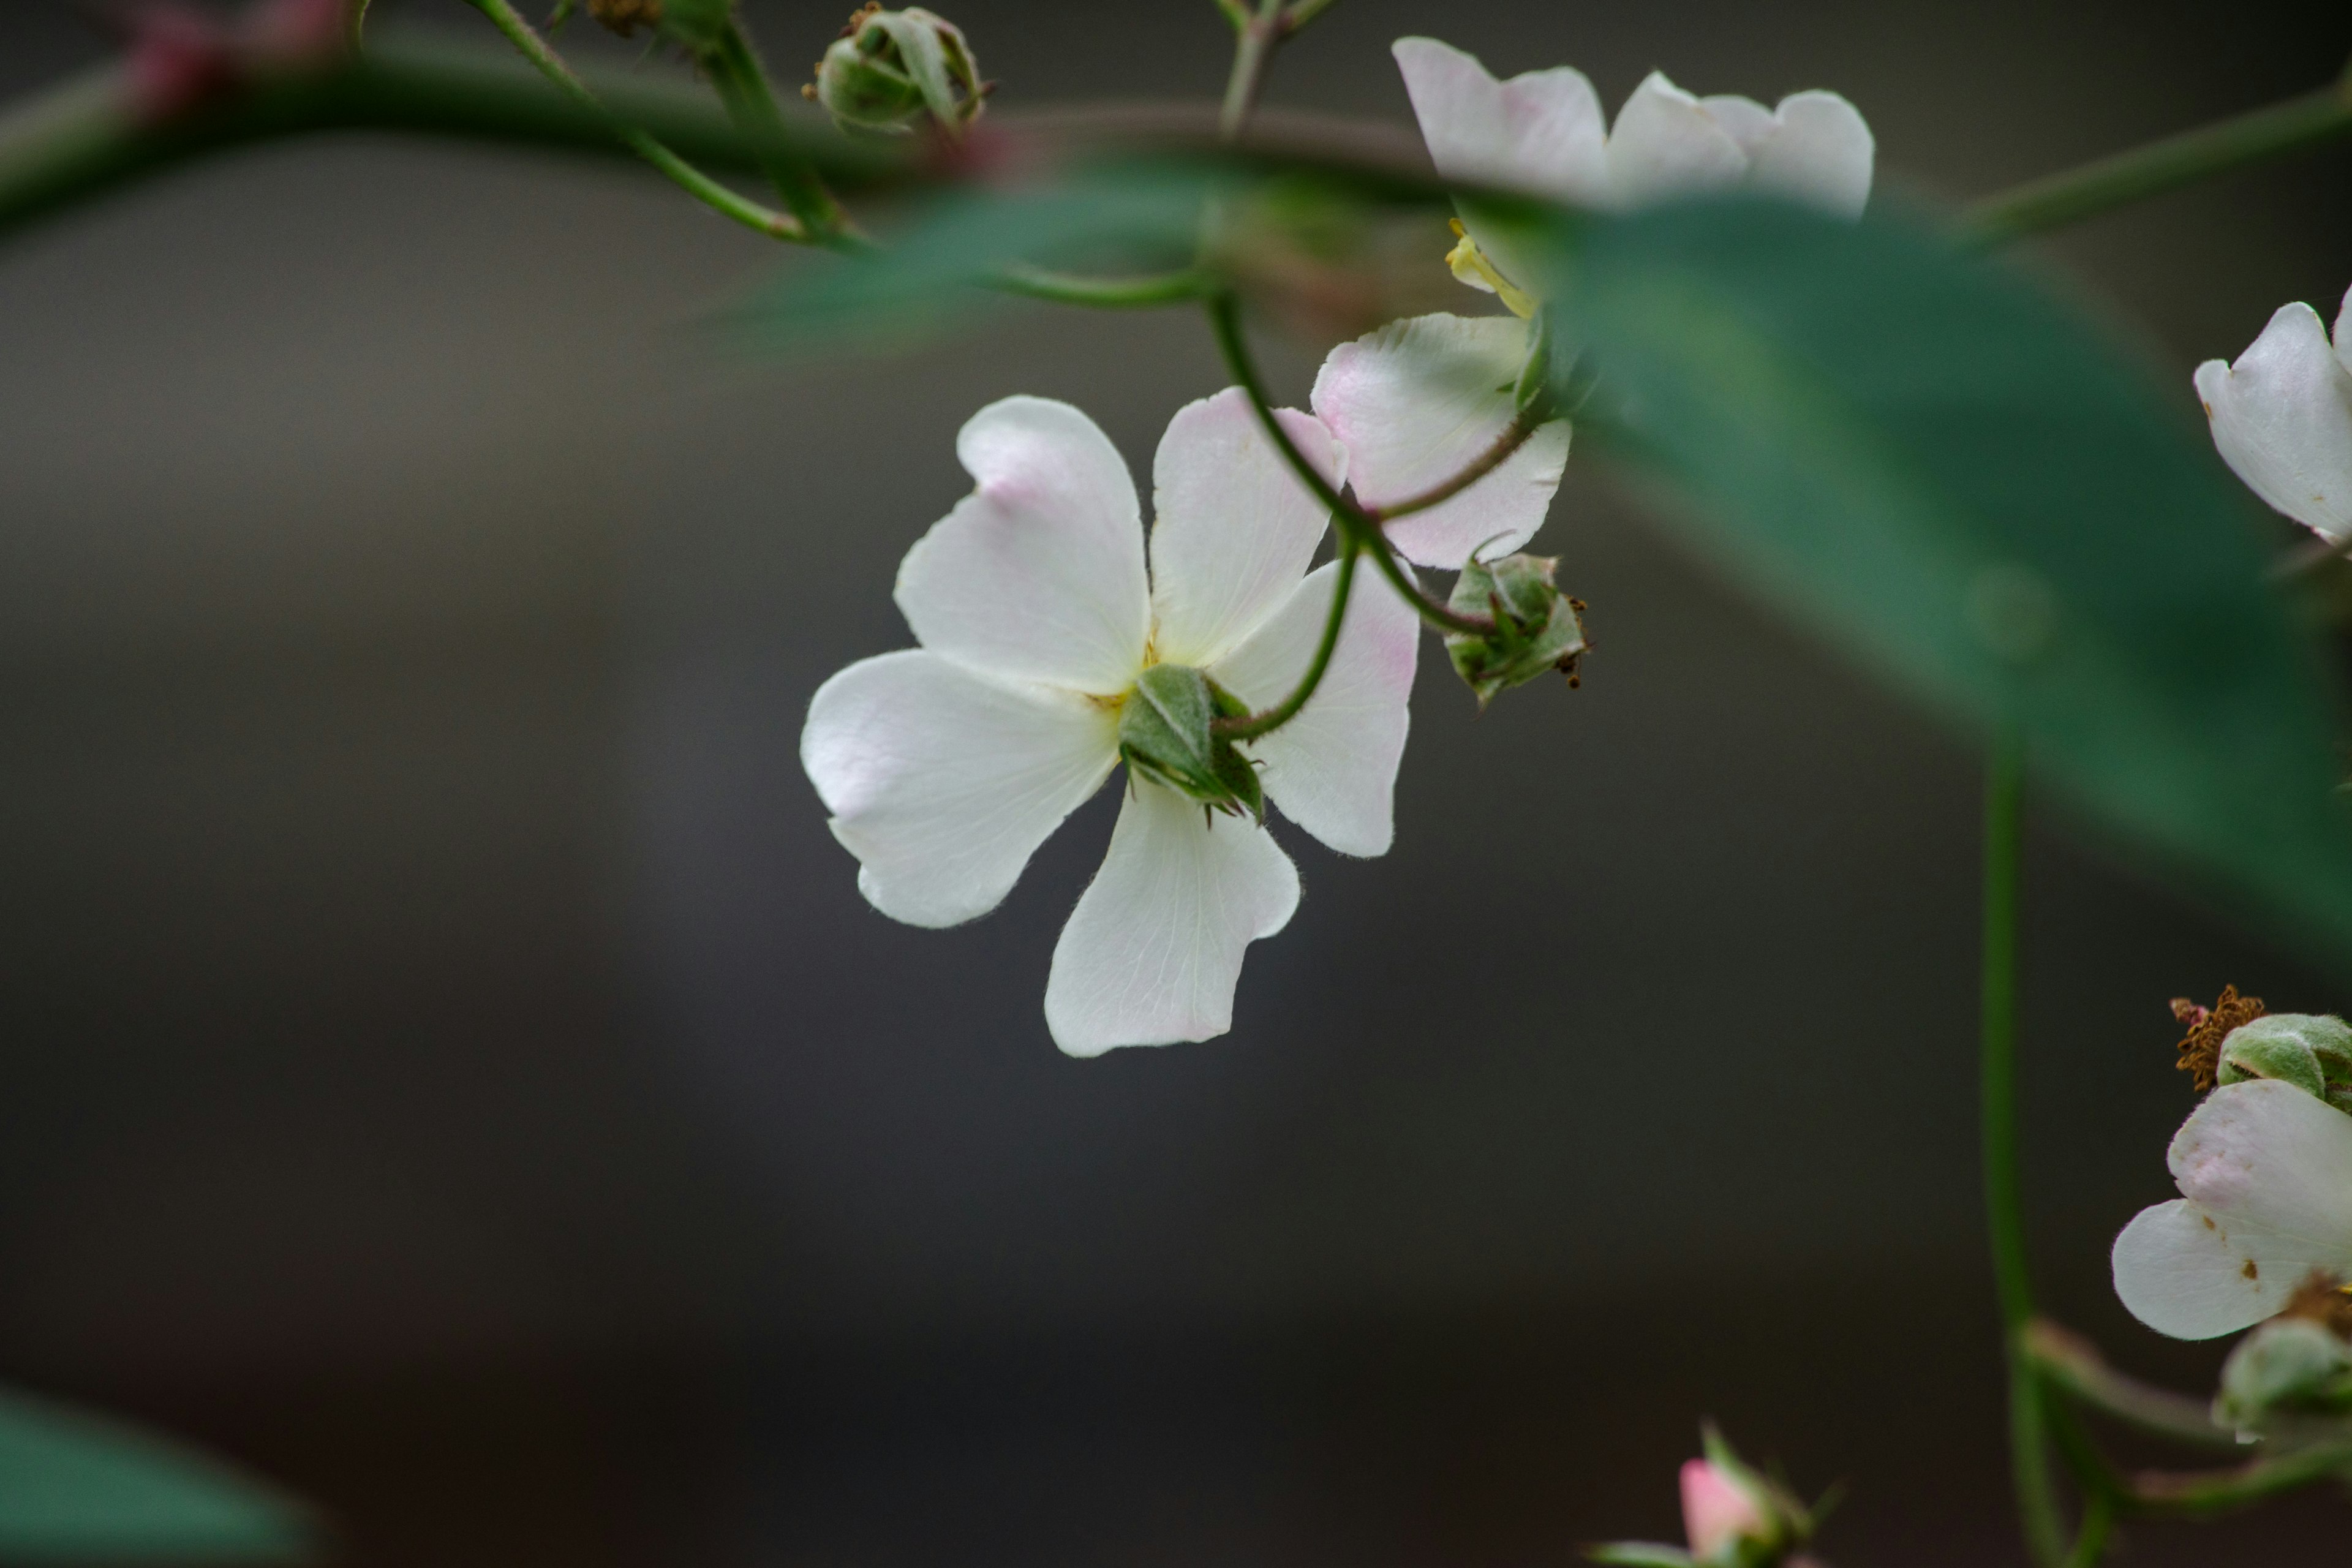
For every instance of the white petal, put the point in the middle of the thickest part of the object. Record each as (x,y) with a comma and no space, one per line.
(1235,527)
(1540,132)
(2343,341)
(2177,1271)
(1153,951)
(1419,401)
(1038,574)
(943,782)
(1819,151)
(2283,420)
(1666,143)
(1744,120)
(1332,769)
(2266,1155)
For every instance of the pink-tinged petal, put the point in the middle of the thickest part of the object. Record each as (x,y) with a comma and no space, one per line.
(1667,144)
(943,782)
(1153,951)
(1235,527)
(2268,1155)
(1819,151)
(1744,120)
(1418,402)
(1717,1512)
(1332,769)
(1038,574)
(1540,132)
(2282,418)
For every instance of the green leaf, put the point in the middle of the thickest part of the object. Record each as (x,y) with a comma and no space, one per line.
(1934,461)
(75,1487)
(1639,1554)
(1135,217)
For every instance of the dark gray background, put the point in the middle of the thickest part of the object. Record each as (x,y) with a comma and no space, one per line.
(449,1065)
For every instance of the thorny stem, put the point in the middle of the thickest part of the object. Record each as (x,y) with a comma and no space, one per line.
(2037,1501)
(2072,195)
(1283,712)
(685,175)
(1224,317)
(743,85)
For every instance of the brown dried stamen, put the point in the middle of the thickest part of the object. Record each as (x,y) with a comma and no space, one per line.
(2322,1300)
(625,16)
(2200,1052)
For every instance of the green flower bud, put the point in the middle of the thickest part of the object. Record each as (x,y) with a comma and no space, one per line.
(2312,1051)
(2289,1366)
(1164,734)
(1536,626)
(888,69)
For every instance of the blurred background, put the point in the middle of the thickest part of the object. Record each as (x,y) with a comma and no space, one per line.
(451,1068)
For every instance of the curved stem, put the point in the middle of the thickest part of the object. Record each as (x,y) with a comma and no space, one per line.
(2091,1540)
(2037,1501)
(2055,200)
(2073,1364)
(685,175)
(1342,583)
(742,87)
(1226,319)
(2201,1494)
(1254,41)
(1513,437)
(1105,293)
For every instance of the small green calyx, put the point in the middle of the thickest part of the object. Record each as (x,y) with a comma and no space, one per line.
(2312,1051)
(889,71)
(2292,1366)
(1165,735)
(1537,628)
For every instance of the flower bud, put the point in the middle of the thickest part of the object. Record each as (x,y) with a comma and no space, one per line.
(1536,628)
(888,69)
(2312,1051)
(1733,1516)
(2288,1367)
(1164,734)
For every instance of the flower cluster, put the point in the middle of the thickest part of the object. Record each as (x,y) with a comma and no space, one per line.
(1054,644)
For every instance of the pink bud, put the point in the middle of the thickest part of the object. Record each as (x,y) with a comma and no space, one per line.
(179,59)
(1717,1511)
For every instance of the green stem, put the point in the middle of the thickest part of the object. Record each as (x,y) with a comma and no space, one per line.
(743,85)
(1105,293)
(2091,1540)
(1225,319)
(685,175)
(1300,12)
(2037,1501)
(2159,167)
(2207,1493)
(1513,437)
(2073,1365)
(1255,42)
(1342,583)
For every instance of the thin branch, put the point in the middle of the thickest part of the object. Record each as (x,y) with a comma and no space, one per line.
(742,87)
(1342,583)
(1224,317)
(1234,12)
(1254,44)
(1513,437)
(2203,1494)
(685,175)
(2055,200)
(2074,1366)
(1105,293)
(1301,12)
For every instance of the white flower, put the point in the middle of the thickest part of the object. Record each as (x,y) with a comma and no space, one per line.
(2265,1176)
(2282,417)
(945,766)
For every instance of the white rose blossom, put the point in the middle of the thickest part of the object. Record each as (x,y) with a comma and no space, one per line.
(1420,400)
(2264,1171)
(2282,417)
(946,766)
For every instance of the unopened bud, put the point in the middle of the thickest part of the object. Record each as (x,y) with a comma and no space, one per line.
(2290,1366)
(891,69)
(1535,627)
(2312,1051)
(1165,734)
(1732,1515)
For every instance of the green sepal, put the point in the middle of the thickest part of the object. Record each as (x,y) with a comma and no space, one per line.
(1165,734)
(2288,1366)
(1537,628)
(894,67)
(2313,1051)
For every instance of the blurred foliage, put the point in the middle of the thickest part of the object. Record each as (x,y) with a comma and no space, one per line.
(80,1487)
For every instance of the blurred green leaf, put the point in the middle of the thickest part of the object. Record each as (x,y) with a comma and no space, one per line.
(1936,461)
(1136,216)
(77,1486)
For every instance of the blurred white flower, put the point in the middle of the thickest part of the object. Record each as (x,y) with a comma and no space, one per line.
(2265,1174)
(2282,417)
(945,766)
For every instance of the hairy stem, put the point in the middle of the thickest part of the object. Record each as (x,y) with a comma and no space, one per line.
(685,175)
(2037,1501)
(1226,319)
(743,85)
(2056,200)
(1342,583)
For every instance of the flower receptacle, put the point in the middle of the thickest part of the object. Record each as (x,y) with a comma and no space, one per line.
(1165,734)
(889,71)
(2312,1051)
(1535,627)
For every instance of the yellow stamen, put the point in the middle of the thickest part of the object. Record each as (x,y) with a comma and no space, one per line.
(1469,264)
